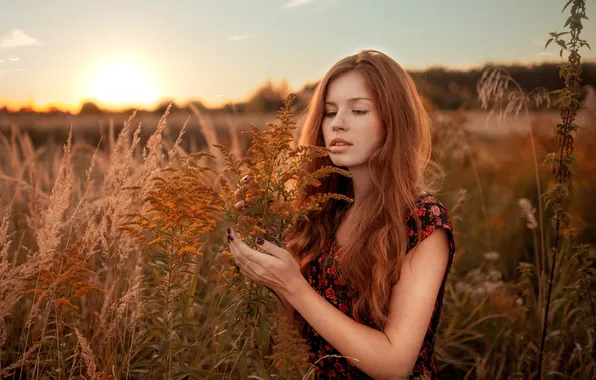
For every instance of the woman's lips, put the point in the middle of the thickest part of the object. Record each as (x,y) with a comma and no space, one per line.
(340,148)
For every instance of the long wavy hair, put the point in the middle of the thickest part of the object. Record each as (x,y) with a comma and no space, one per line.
(400,171)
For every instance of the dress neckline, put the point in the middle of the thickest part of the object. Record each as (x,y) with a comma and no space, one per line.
(334,243)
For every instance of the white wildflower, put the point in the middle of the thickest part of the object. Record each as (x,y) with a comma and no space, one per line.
(462,287)
(491,256)
(475,275)
(479,292)
(494,275)
(491,287)
(528,212)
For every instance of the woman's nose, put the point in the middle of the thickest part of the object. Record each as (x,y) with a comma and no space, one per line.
(338,122)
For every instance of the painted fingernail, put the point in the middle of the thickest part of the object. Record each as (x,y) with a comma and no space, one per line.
(229,231)
(260,241)
(230,238)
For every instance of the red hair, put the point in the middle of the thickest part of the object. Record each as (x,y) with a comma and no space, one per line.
(372,259)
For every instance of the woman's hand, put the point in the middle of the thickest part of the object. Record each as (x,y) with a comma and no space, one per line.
(275,267)
(239,194)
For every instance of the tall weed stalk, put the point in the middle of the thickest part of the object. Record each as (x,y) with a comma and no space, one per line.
(558,193)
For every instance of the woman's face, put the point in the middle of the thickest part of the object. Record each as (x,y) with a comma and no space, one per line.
(351,114)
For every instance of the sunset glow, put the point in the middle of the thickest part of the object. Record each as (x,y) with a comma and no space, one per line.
(122,83)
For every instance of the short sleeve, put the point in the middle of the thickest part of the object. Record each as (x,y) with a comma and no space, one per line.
(433,215)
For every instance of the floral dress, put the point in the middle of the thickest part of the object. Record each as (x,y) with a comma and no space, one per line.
(324,276)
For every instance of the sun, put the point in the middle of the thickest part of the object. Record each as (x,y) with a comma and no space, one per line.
(122,83)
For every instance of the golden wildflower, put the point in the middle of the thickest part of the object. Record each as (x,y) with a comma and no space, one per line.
(64,301)
(159,240)
(279,178)
(226,256)
(68,278)
(190,250)
(278,174)
(290,351)
(185,203)
(180,206)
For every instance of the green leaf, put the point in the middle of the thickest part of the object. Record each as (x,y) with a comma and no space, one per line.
(566,5)
(562,44)
(265,333)
(548,42)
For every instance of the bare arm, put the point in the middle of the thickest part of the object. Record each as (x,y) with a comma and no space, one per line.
(284,307)
(391,353)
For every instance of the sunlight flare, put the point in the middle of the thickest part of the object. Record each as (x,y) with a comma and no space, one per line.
(123,82)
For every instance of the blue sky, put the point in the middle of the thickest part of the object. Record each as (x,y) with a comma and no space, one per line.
(136,51)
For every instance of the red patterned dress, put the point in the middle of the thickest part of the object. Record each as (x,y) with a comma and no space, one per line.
(338,291)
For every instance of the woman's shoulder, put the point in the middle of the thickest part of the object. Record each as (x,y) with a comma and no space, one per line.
(432,214)
(428,201)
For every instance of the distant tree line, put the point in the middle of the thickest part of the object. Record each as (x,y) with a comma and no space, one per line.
(447,89)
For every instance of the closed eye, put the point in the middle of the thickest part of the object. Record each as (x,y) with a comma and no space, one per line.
(357,112)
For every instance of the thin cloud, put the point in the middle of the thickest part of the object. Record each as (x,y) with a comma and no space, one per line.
(4,72)
(297,3)
(538,42)
(544,53)
(14,58)
(17,38)
(238,38)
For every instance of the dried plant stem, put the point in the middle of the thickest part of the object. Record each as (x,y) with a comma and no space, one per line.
(540,269)
(29,326)
(482,202)
(537,258)
(568,106)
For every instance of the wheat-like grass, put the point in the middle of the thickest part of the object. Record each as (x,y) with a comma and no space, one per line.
(111,292)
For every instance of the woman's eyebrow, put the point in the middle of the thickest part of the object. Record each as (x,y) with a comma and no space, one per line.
(349,100)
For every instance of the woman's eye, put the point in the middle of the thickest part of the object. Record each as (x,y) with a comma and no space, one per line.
(330,114)
(360,112)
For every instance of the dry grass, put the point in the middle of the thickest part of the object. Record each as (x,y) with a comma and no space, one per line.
(86,293)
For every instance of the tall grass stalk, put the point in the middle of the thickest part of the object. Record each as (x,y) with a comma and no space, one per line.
(493,88)
(562,160)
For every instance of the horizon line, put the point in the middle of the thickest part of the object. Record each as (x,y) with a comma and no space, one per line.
(65,107)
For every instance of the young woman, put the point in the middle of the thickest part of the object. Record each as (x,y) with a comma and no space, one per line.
(365,279)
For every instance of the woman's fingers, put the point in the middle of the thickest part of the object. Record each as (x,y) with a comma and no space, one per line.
(245,265)
(246,179)
(239,194)
(248,271)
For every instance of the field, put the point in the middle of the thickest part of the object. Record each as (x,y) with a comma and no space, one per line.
(86,295)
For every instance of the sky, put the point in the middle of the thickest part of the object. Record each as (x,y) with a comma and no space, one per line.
(139,52)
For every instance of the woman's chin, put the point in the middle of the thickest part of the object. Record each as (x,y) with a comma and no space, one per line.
(342,163)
